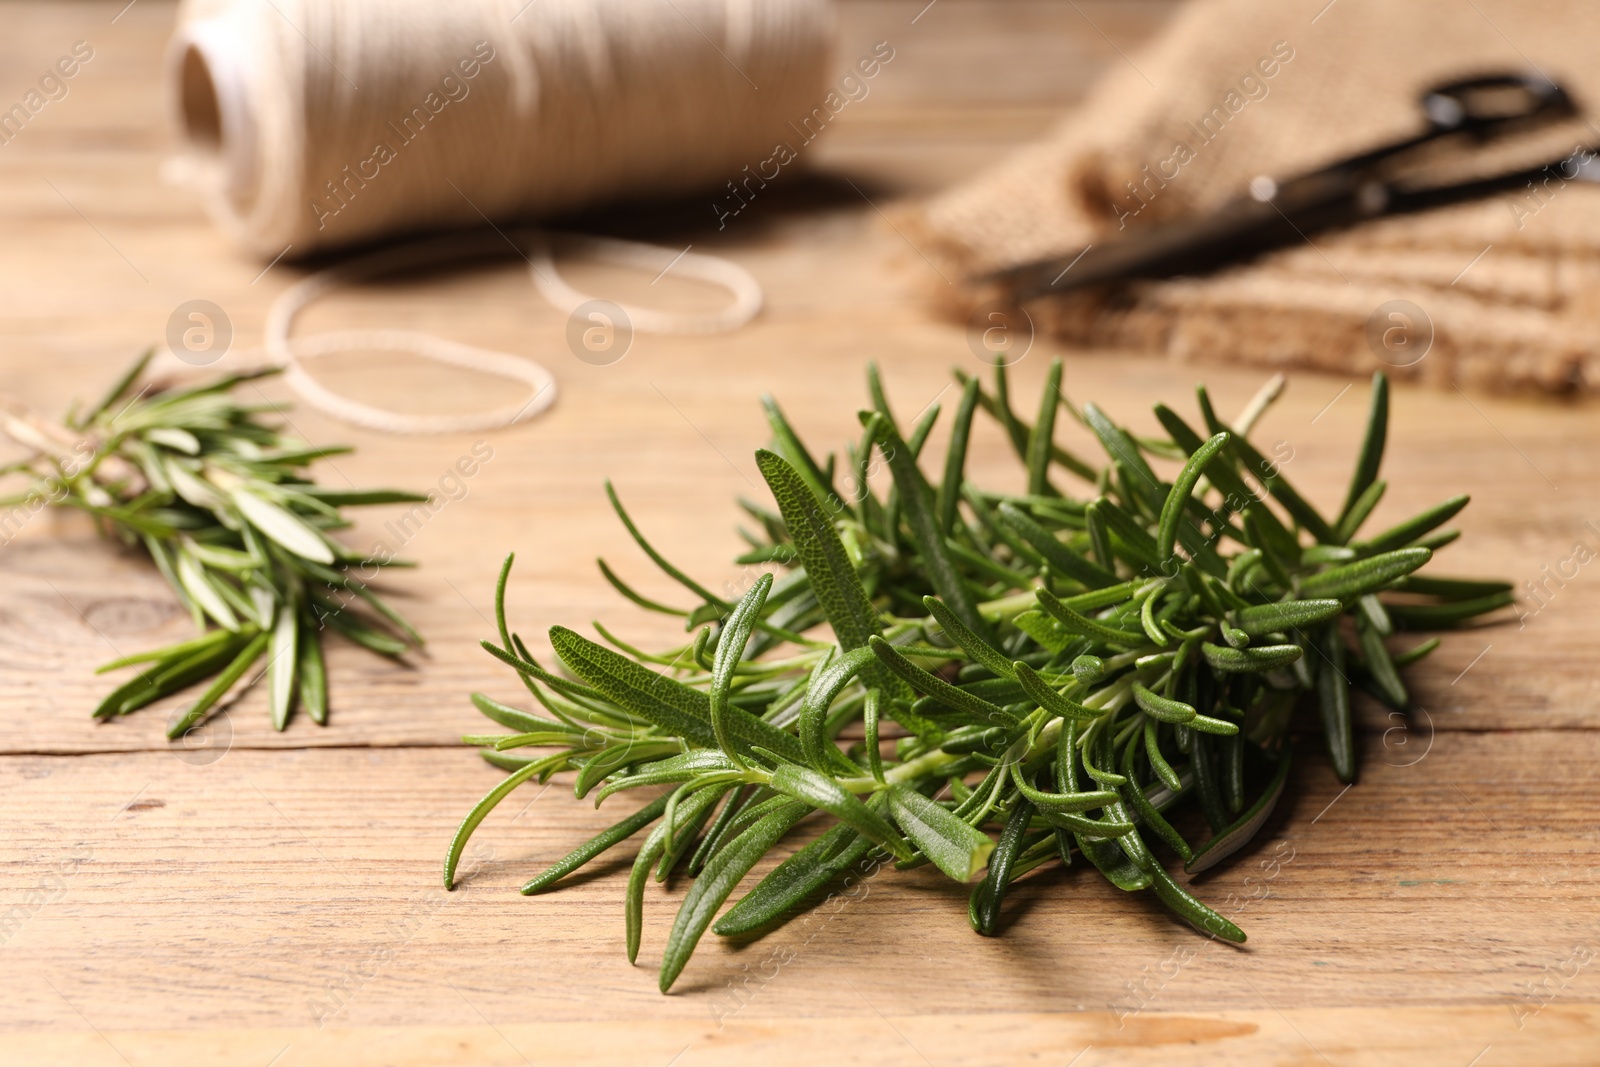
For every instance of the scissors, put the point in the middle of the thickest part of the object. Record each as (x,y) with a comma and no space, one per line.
(1277,213)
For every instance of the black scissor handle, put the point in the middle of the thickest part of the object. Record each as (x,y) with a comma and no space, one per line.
(1486,103)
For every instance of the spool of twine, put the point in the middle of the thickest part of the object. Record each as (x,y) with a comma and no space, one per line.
(317,123)
(309,125)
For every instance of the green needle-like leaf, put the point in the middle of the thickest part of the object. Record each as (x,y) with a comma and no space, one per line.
(1178,496)
(611,836)
(687,813)
(730,649)
(1120,447)
(688,766)
(925,530)
(795,879)
(1039,440)
(1416,527)
(1109,859)
(119,389)
(362,633)
(1235,836)
(1450,588)
(1284,615)
(1060,803)
(1084,626)
(956,458)
(284,664)
(939,689)
(1371,458)
(515,718)
(1381,667)
(1049,699)
(1444,616)
(983,909)
(1146,811)
(822,554)
(479,812)
(820,791)
(667,703)
(1191,910)
(282,525)
(825,684)
(1333,696)
(1351,580)
(313,679)
(952,845)
(1359,511)
(1254,658)
(203,592)
(719,878)
(794,451)
(1060,556)
(1160,708)
(657,558)
(173,673)
(219,687)
(970,643)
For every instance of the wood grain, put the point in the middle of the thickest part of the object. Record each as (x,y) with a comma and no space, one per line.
(243,892)
(173,907)
(1413,1037)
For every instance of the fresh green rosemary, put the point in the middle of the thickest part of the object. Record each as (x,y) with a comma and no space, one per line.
(1066,670)
(218,498)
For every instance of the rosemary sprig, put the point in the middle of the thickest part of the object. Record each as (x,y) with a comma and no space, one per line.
(1066,670)
(219,499)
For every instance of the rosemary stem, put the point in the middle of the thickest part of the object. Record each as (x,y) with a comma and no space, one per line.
(1007,607)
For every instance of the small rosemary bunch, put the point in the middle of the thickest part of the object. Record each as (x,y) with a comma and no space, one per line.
(1063,675)
(220,501)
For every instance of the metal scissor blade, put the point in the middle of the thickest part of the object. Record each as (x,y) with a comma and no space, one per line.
(1246,227)
(1580,165)
(1237,231)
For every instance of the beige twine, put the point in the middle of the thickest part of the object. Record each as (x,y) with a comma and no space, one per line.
(308,125)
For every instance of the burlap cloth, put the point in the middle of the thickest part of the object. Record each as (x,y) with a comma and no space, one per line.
(1511,283)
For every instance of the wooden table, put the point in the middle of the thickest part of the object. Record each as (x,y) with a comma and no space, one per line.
(171,907)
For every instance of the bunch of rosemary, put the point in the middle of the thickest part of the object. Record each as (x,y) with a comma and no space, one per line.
(1067,671)
(219,500)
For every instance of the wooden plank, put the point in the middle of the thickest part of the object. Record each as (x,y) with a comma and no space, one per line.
(1562,1036)
(277,889)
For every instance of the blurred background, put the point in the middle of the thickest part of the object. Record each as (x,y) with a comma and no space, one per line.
(969,81)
